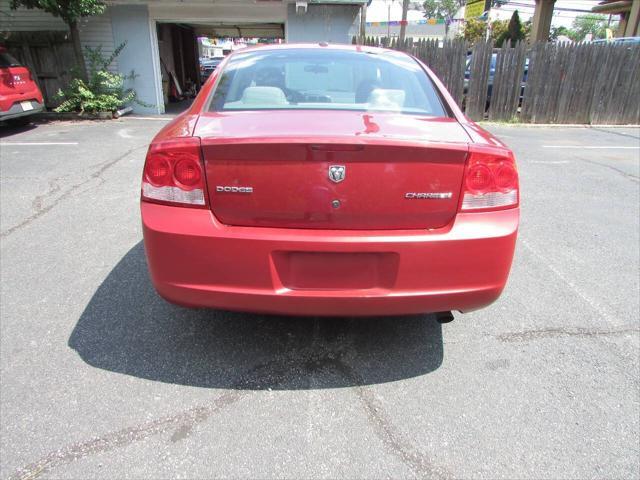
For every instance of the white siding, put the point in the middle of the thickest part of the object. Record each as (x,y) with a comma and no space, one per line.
(96,31)
(25,20)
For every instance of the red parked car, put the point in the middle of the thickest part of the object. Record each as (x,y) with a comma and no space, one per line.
(328,180)
(20,96)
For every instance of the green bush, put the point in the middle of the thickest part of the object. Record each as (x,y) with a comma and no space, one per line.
(102,91)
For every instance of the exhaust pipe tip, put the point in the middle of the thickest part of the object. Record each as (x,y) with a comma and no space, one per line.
(444,317)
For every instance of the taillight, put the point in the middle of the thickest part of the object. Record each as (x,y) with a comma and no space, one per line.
(6,77)
(174,173)
(490,181)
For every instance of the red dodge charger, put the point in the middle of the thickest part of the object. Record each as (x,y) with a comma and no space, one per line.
(328,180)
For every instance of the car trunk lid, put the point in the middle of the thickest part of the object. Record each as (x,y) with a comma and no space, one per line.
(15,80)
(344,170)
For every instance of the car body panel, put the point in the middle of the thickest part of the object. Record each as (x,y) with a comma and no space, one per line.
(359,126)
(196,261)
(288,172)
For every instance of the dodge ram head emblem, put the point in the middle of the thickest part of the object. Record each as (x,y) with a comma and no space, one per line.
(337,173)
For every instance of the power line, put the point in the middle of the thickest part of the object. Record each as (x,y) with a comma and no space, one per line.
(555,8)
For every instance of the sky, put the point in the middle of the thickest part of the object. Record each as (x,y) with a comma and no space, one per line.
(378,10)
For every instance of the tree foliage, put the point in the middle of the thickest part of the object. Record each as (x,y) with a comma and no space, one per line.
(474,30)
(591,23)
(514,33)
(498,28)
(68,10)
(444,9)
(560,31)
(526,29)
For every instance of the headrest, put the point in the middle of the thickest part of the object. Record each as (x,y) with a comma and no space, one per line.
(386,99)
(264,96)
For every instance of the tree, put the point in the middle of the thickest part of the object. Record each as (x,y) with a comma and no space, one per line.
(498,28)
(442,9)
(70,11)
(403,25)
(474,30)
(591,23)
(526,29)
(514,31)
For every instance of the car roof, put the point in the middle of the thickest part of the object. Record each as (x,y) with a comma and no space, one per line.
(618,40)
(321,46)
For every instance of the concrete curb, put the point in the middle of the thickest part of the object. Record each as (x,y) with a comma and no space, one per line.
(75,116)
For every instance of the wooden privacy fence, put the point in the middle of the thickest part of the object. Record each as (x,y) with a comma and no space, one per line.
(448,62)
(540,83)
(583,84)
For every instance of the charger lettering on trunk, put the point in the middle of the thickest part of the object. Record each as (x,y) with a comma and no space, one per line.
(427,195)
(228,189)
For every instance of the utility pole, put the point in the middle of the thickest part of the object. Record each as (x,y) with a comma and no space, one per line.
(403,23)
(363,24)
(389,20)
(542,21)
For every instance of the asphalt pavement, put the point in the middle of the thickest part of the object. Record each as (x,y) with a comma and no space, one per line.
(100,378)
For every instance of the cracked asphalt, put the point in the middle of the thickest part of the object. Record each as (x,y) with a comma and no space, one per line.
(100,378)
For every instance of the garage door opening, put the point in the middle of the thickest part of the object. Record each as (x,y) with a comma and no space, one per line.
(189,53)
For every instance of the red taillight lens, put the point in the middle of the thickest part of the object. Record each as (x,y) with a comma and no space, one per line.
(6,77)
(479,178)
(506,177)
(158,170)
(173,173)
(187,172)
(491,181)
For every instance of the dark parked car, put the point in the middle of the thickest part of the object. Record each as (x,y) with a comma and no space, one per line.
(207,66)
(617,41)
(492,72)
(20,96)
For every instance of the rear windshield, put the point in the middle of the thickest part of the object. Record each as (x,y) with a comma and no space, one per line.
(325,79)
(7,60)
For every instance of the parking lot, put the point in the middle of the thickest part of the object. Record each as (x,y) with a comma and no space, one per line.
(101,378)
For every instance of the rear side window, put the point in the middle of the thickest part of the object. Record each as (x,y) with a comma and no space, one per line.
(325,79)
(7,60)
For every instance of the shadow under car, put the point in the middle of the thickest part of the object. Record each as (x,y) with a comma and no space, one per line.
(127,328)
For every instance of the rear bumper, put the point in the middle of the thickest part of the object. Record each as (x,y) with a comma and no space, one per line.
(196,261)
(16,110)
